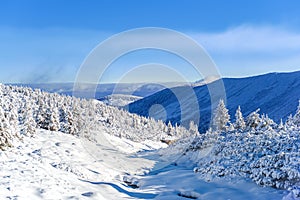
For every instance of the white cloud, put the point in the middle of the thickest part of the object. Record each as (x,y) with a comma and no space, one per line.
(239,51)
(249,50)
(250,39)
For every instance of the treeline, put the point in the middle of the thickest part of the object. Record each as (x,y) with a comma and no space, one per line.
(23,111)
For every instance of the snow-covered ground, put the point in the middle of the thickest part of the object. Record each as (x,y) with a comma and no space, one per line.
(59,147)
(54,165)
(119,100)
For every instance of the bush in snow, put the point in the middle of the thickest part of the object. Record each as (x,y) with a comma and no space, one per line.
(265,152)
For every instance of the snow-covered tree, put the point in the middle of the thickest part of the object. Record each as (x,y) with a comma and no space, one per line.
(6,136)
(54,124)
(71,126)
(281,126)
(29,126)
(13,119)
(239,120)
(221,117)
(170,128)
(290,121)
(40,114)
(253,120)
(266,123)
(193,128)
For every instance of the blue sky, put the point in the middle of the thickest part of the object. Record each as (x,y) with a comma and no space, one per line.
(46,41)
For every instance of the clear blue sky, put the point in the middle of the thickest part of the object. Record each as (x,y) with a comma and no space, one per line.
(46,41)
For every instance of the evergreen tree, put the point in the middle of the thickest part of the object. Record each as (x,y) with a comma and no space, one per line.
(54,119)
(290,121)
(193,128)
(13,120)
(253,120)
(221,117)
(239,120)
(267,123)
(29,123)
(6,136)
(170,128)
(281,126)
(63,120)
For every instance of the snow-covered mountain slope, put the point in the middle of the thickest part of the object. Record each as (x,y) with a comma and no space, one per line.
(54,165)
(59,147)
(102,90)
(119,100)
(276,94)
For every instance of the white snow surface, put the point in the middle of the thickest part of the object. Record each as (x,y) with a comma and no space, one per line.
(119,100)
(54,165)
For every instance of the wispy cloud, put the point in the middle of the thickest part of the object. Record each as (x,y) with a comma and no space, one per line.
(54,55)
(250,39)
(248,50)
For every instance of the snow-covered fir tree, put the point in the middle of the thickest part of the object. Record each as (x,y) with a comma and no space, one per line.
(253,120)
(29,126)
(221,117)
(193,128)
(54,124)
(239,120)
(6,137)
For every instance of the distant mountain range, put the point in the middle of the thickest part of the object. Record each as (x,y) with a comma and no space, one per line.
(136,89)
(276,94)
(119,100)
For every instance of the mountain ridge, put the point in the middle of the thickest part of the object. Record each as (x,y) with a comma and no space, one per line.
(265,91)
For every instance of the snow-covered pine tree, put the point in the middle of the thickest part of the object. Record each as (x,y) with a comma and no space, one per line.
(253,120)
(281,126)
(6,136)
(290,121)
(170,128)
(13,120)
(40,112)
(267,123)
(54,119)
(71,127)
(29,123)
(221,117)
(193,128)
(63,120)
(239,120)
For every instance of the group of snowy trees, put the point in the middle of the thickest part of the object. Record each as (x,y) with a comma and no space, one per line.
(221,120)
(255,147)
(23,111)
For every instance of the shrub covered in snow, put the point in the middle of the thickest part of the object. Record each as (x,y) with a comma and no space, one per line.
(267,153)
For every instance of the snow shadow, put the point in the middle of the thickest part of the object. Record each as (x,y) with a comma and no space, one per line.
(121,190)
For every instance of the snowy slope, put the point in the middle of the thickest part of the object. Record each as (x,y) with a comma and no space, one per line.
(276,94)
(119,100)
(59,147)
(54,165)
